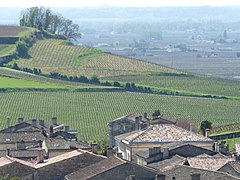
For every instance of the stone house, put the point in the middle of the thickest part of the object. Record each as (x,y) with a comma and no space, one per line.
(55,168)
(134,122)
(23,139)
(158,135)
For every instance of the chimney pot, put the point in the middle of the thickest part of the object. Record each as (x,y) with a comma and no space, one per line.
(40,157)
(207,132)
(8,121)
(54,120)
(34,122)
(145,115)
(94,148)
(20,120)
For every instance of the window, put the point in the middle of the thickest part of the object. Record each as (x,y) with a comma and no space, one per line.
(7,139)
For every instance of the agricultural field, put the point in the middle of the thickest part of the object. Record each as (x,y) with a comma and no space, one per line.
(11,30)
(89,112)
(53,55)
(6,50)
(44,80)
(189,83)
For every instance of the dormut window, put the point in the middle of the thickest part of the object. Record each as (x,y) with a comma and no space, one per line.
(34,139)
(7,139)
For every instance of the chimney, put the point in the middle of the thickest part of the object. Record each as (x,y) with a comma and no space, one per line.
(51,131)
(8,121)
(73,144)
(34,122)
(40,143)
(216,147)
(195,177)
(145,115)
(94,147)
(207,132)
(54,120)
(41,122)
(160,177)
(66,128)
(130,177)
(137,123)
(140,118)
(191,127)
(40,156)
(165,153)
(109,152)
(20,120)
(8,152)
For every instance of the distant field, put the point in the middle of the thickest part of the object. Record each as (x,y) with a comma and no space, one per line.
(89,112)
(53,55)
(44,80)
(6,50)
(197,84)
(11,30)
(6,82)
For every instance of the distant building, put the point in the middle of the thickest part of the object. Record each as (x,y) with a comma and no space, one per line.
(134,122)
(158,135)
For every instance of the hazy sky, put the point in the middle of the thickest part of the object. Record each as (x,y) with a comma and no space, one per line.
(123,3)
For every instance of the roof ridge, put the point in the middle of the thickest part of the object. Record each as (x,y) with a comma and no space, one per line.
(143,132)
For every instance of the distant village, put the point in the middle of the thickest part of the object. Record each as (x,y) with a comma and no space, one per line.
(139,147)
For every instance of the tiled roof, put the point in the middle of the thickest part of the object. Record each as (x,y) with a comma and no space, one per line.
(209,163)
(168,164)
(182,172)
(235,165)
(163,133)
(19,136)
(20,127)
(96,168)
(57,143)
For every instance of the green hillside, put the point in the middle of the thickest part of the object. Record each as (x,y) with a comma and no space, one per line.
(54,55)
(88,108)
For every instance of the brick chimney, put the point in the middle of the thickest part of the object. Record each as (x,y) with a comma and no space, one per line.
(20,120)
(34,122)
(137,123)
(8,121)
(54,120)
(51,131)
(94,147)
(109,152)
(207,132)
(145,115)
(40,156)
(41,122)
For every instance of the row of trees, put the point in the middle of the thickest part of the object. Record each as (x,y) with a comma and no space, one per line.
(44,19)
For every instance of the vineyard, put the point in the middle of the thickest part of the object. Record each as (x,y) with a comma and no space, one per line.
(89,112)
(53,55)
(56,83)
(197,84)
(6,50)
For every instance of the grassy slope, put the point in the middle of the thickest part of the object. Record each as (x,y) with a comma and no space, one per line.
(20,80)
(54,55)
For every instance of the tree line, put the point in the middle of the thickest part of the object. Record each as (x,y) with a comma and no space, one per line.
(46,20)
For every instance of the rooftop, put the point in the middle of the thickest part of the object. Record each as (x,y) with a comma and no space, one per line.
(4,161)
(208,162)
(168,163)
(97,168)
(163,133)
